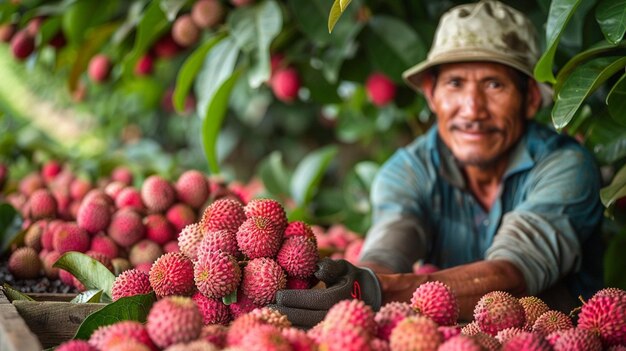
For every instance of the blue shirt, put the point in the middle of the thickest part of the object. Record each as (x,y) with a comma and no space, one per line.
(548,210)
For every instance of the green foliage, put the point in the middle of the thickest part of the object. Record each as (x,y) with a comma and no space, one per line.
(14,294)
(11,232)
(90,272)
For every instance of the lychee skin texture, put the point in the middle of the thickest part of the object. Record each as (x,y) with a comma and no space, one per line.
(286,84)
(129,197)
(223,214)
(348,313)
(533,308)
(526,341)
(158,228)
(172,274)
(42,204)
(70,237)
(498,310)
(105,245)
(298,256)
(213,311)
(380,89)
(299,228)
(110,336)
(389,316)
(129,283)
(189,240)
(192,188)
(264,337)
(94,216)
(552,321)
(22,45)
(126,227)
(207,13)
(180,215)
(218,240)
(144,251)
(173,320)
(184,31)
(605,315)
(217,274)
(415,333)
(157,193)
(122,174)
(75,345)
(577,339)
(262,278)
(460,343)
(243,305)
(267,208)
(99,68)
(24,263)
(437,301)
(259,237)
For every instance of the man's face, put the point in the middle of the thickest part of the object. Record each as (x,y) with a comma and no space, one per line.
(480,111)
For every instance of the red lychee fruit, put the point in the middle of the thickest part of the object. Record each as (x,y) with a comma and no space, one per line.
(415,333)
(552,321)
(173,320)
(113,189)
(286,84)
(30,183)
(259,237)
(437,301)
(353,251)
(42,204)
(79,188)
(171,246)
(215,334)
(70,237)
(449,331)
(213,311)
(166,47)
(122,174)
(75,345)
(58,41)
(243,305)
(94,216)
(298,283)
(262,278)
(157,193)
(577,339)
(105,245)
(605,315)
(6,32)
(110,336)
(470,329)
(126,227)
(180,216)
(98,194)
(240,3)
(223,214)
(380,89)
(144,65)
(207,13)
(99,68)
(218,240)
(347,339)
(47,237)
(298,339)
(389,316)
(267,208)
(129,283)
(526,341)
(22,45)
(50,170)
(533,308)
(144,251)
(158,229)
(47,263)
(298,256)
(189,240)
(460,343)
(172,274)
(505,334)
(217,274)
(498,310)
(267,337)
(184,31)
(192,188)
(488,342)
(24,263)
(129,197)
(34,25)
(349,313)
(299,228)
(34,233)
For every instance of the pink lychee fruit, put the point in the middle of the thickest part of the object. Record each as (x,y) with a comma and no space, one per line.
(129,283)
(215,334)
(243,305)
(415,333)
(105,245)
(286,84)
(551,321)
(173,320)
(189,240)
(224,240)
(184,31)
(262,278)
(259,237)
(213,311)
(172,274)
(298,256)
(267,208)
(533,308)
(70,237)
(158,228)
(94,216)
(157,193)
(75,345)
(460,343)
(437,301)
(129,197)
(389,316)
(605,315)
(299,228)
(42,204)
(265,337)
(22,45)
(144,251)
(217,274)
(207,13)
(347,313)
(108,336)
(99,68)
(223,214)
(126,227)
(180,215)
(380,89)
(192,188)
(499,310)
(577,339)
(526,341)
(144,65)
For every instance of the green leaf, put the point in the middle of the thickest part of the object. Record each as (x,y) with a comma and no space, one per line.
(171,8)
(214,116)
(90,272)
(334,15)
(393,46)
(580,84)
(560,13)
(10,226)
(309,173)
(84,14)
(274,175)
(344,4)
(313,19)
(152,25)
(254,28)
(617,189)
(134,308)
(611,16)
(133,17)
(366,171)
(614,262)
(218,66)
(230,298)
(95,39)
(14,294)
(89,296)
(616,100)
(189,70)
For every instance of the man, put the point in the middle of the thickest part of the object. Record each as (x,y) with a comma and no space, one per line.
(495,200)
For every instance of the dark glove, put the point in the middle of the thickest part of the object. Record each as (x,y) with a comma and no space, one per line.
(305,308)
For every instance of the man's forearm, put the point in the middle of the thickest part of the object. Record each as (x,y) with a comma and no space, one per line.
(470,282)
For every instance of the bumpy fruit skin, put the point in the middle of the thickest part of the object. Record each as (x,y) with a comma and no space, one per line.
(105,245)
(267,208)
(262,278)
(126,227)
(207,13)
(129,197)
(24,263)
(470,329)
(180,215)
(415,333)
(347,313)
(70,237)
(215,334)
(129,283)
(22,45)
(99,68)
(437,301)
(42,204)
(223,214)
(389,316)
(122,174)
(460,343)
(605,315)
(173,320)
(172,274)
(144,251)
(158,228)
(184,31)
(380,89)
(94,216)
(298,339)
(286,84)
(552,321)
(449,331)
(224,240)
(498,310)
(196,345)
(217,274)
(109,336)
(75,345)
(505,334)
(213,311)
(157,193)
(243,305)
(189,240)
(533,308)
(488,342)
(264,337)
(259,237)
(526,341)
(576,339)
(192,188)
(298,257)
(299,228)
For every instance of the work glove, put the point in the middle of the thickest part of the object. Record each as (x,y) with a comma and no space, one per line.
(307,307)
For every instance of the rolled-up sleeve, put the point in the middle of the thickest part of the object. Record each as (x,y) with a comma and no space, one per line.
(543,235)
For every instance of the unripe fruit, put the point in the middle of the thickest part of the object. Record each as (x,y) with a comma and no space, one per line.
(240,3)
(99,68)
(24,263)
(285,84)
(184,31)
(380,89)
(22,45)
(207,13)
(144,65)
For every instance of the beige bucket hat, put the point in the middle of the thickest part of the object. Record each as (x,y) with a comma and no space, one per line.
(484,31)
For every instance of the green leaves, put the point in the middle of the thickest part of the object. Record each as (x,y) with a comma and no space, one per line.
(10,226)
(90,272)
(615,190)
(560,13)
(14,294)
(308,174)
(134,308)
(616,100)
(274,174)
(580,84)
(611,16)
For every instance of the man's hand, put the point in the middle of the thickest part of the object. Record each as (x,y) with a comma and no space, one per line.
(305,308)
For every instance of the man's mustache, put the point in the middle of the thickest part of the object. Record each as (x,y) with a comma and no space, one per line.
(475,127)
